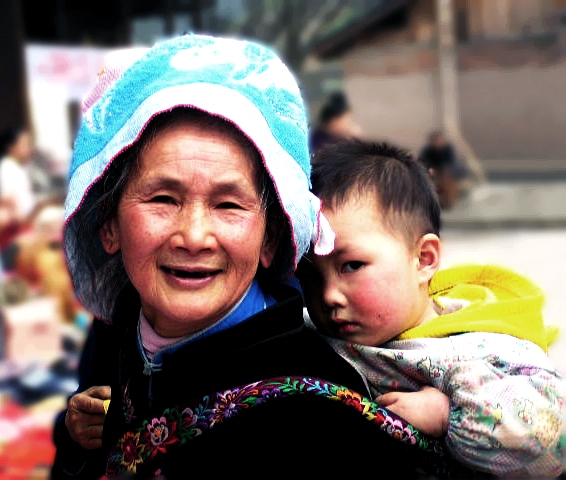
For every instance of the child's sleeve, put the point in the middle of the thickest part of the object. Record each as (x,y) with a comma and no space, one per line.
(505,410)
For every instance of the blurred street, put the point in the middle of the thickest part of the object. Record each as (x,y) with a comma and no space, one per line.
(511,204)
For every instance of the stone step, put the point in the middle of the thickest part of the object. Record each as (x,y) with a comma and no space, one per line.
(524,169)
(540,204)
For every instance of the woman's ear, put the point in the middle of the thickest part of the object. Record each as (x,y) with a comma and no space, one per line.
(271,238)
(109,237)
(428,251)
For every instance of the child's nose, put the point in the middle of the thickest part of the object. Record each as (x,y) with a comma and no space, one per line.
(333,295)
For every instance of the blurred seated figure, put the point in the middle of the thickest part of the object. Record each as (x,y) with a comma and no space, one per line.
(335,122)
(17,198)
(41,262)
(449,173)
(16,149)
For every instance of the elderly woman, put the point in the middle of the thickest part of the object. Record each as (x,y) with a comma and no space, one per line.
(188,209)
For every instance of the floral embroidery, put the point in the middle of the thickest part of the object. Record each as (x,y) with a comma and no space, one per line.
(127,404)
(131,449)
(148,442)
(398,430)
(230,402)
(160,433)
(351,398)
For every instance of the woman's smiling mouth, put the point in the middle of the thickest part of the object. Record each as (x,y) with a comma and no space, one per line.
(193,273)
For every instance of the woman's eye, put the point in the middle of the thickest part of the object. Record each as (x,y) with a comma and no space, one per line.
(162,199)
(351,266)
(228,205)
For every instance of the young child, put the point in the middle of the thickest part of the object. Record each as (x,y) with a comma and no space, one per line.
(457,352)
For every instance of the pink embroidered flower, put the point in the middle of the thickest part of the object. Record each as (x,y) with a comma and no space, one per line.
(189,417)
(398,431)
(161,433)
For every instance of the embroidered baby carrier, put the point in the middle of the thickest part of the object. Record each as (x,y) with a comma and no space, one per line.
(146,443)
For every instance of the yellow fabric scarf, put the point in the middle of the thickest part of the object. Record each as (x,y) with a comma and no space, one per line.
(497,300)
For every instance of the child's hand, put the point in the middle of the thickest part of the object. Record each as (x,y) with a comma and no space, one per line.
(428,409)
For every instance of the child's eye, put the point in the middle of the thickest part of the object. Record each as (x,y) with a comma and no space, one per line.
(352,266)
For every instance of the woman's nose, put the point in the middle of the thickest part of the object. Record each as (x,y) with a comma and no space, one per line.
(194,231)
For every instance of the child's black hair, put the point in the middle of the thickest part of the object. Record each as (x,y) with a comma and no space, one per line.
(403,189)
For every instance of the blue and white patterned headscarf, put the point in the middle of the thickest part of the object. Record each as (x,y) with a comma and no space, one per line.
(240,81)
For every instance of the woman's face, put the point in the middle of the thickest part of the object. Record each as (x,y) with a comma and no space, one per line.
(191,228)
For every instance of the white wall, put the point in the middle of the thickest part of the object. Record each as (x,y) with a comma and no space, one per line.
(397,108)
(56,77)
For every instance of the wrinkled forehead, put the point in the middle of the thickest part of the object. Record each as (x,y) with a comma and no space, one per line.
(197,122)
(215,125)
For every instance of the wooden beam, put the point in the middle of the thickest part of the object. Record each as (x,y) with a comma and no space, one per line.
(448,96)
(13,97)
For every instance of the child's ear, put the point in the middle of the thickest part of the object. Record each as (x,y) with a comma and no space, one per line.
(428,251)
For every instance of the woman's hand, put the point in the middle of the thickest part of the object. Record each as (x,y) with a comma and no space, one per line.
(428,409)
(85,416)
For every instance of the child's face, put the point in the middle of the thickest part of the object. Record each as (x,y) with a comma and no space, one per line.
(372,287)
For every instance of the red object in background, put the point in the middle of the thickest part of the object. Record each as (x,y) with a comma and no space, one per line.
(26,446)
(9,233)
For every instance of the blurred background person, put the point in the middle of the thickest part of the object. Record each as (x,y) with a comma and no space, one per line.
(449,173)
(15,182)
(17,198)
(40,261)
(335,122)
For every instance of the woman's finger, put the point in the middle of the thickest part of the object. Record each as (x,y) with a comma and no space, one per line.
(100,392)
(87,403)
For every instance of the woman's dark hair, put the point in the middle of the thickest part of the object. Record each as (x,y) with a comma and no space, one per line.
(106,193)
(403,189)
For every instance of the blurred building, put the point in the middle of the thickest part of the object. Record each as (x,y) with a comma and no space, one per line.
(52,51)
(104,23)
(508,68)
(62,38)
(510,71)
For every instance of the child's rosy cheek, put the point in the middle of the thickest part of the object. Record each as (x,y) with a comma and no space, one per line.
(365,295)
